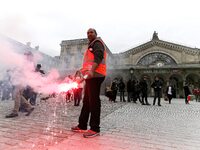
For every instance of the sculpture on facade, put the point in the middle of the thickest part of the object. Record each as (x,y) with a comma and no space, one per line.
(155,36)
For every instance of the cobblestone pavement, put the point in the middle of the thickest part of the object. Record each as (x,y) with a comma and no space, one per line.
(125,126)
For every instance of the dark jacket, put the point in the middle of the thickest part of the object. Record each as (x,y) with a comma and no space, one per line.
(137,88)
(144,86)
(121,86)
(131,86)
(98,51)
(186,90)
(157,85)
(114,86)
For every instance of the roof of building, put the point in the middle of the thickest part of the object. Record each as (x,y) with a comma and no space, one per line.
(155,41)
(20,47)
(83,41)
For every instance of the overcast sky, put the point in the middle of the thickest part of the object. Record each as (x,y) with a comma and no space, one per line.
(122,24)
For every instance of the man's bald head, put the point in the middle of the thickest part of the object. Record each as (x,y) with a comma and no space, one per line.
(91,34)
(92,29)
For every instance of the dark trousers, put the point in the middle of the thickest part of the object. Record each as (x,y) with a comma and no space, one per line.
(134,97)
(186,99)
(33,98)
(28,93)
(114,95)
(144,98)
(68,96)
(157,95)
(77,96)
(91,105)
(169,98)
(122,96)
(129,97)
(137,96)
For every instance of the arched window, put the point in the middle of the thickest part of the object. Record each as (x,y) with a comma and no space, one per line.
(156,59)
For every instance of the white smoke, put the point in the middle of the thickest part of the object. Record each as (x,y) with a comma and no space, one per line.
(22,70)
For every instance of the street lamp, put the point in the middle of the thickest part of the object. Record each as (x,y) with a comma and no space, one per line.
(131,72)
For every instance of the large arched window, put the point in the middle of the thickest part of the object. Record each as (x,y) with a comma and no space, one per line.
(156,59)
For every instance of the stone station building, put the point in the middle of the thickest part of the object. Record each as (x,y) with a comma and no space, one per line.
(172,62)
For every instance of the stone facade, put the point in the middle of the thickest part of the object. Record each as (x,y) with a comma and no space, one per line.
(173,63)
(180,54)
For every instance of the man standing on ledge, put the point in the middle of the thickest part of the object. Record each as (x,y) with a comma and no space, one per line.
(94,71)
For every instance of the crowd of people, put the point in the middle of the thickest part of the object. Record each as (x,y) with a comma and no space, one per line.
(138,91)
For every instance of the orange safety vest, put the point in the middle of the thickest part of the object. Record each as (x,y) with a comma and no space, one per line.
(88,61)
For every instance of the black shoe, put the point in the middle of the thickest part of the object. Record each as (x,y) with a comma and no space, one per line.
(29,112)
(77,129)
(148,104)
(12,115)
(90,134)
(159,105)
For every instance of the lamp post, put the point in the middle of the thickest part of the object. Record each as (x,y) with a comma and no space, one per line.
(131,72)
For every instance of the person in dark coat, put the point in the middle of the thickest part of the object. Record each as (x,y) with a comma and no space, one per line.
(157,86)
(144,90)
(187,92)
(121,87)
(114,89)
(130,89)
(137,92)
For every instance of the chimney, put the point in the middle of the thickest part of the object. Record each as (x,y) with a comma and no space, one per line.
(37,47)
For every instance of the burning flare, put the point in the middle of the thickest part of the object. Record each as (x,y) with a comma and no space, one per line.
(64,87)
